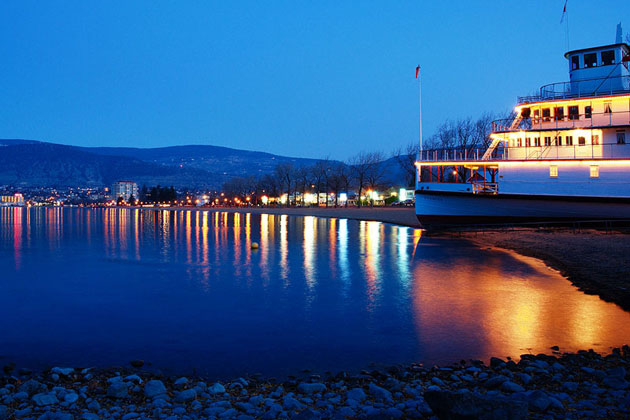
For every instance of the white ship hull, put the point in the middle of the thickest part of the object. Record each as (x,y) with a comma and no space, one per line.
(438,209)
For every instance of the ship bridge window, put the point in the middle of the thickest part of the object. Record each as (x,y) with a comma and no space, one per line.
(546,112)
(558,113)
(574,113)
(608,57)
(575,62)
(590,60)
(588,112)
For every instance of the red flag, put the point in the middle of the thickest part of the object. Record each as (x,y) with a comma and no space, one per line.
(564,11)
(417,71)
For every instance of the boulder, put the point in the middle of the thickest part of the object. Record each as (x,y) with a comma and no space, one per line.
(311,388)
(118,390)
(154,388)
(449,405)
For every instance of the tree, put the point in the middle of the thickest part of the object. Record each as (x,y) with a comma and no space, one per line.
(376,172)
(338,179)
(362,166)
(132,200)
(120,201)
(320,177)
(302,180)
(406,158)
(285,174)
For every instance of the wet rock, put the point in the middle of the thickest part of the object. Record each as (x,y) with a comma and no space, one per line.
(615,382)
(44,399)
(538,401)
(495,381)
(291,404)
(62,371)
(311,388)
(307,414)
(451,405)
(496,362)
(181,382)
(378,392)
(154,388)
(32,387)
(4,412)
(509,386)
(356,394)
(118,390)
(186,395)
(216,388)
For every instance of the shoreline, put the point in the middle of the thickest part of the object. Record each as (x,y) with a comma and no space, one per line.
(556,385)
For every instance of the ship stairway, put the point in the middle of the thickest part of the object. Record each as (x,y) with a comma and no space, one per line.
(488,154)
(517,122)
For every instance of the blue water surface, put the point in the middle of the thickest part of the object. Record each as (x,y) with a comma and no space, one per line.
(184,291)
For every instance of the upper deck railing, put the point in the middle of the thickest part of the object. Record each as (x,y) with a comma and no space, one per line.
(580,89)
(460,154)
(563,122)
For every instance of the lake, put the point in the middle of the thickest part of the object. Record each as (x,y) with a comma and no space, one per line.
(184,291)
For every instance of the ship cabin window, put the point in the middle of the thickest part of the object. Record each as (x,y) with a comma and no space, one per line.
(546,113)
(519,142)
(594,171)
(569,140)
(559,140)
(574,113)
(607,108)
(595,139)
(590,60)
(537,141)
(558,113)
(621,137)
(553,171)
(588,112)
(528,142)
(575,62)
(608,57)
(547,141)
(536,116)
(581,140)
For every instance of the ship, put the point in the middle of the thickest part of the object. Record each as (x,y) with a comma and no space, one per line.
(563,157)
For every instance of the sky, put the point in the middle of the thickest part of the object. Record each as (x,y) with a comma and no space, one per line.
(297,78)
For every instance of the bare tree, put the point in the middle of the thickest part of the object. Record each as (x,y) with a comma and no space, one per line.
(285,172)
(406,158)
(303,179)
(338,180)
(320,172)
(376,173)
(362,166)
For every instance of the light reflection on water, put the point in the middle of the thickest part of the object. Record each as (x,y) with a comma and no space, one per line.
(184,290)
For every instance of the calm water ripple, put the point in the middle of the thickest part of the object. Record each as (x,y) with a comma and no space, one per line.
(185,291)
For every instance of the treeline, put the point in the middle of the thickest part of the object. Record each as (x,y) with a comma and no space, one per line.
(331,178)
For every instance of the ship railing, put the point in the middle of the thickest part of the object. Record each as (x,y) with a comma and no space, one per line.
(561,122)
(485,187)
(600,86)
(459,154)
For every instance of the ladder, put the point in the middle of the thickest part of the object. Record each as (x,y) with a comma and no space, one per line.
(488,154)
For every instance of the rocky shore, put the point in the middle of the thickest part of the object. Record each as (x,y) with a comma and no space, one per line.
(574,386)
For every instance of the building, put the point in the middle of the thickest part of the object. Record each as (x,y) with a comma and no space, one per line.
(125,189)
(16,199)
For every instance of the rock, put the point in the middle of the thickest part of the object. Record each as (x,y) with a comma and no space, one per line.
(216,388)
(356,394)
(496,362)
(308,388)
(509,386)
(89,416)
(32,387)
(71,397)
(154,388)
(307,414)
(495,381)
(619,372)
(137,363)
(118,390)
(291,404)
(378,392)
(525,378)
(538,401)
(181,382)
(62,371)
(23,413)
(615,382)
(20,396)
(186,395)
(42,399)
(4,412)
(452,405)
(555,348)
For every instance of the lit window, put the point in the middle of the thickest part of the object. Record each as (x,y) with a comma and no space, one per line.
(621,137)
(608,57)
(594,171)
(575,62)
(588,112)
(558,113)
(595,139)
(553,171)
(590,60)
(581,140)
(547,141)
(574,113)
(537,141)
(536,116)
(546,114)
(528,142)
(519,142)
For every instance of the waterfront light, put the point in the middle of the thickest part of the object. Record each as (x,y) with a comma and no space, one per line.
(264,199)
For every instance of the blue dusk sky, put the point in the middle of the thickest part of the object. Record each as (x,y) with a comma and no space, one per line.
(299,78)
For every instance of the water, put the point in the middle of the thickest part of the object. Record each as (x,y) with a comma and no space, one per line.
(184,291)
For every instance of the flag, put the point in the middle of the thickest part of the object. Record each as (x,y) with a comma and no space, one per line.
(417,71)
(564,11)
